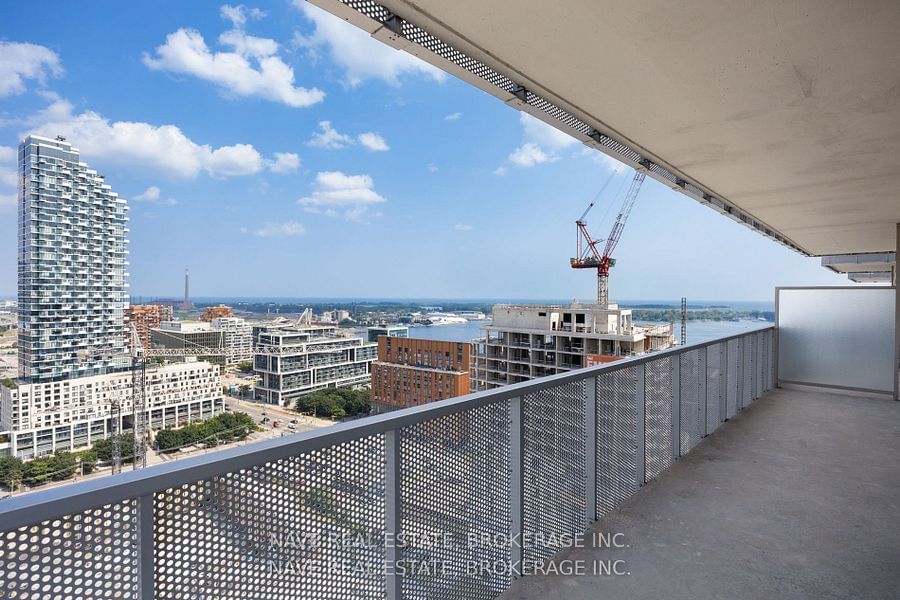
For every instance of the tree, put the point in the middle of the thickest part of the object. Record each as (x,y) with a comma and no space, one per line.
(63,465)
(11,471)
(38,471)
(244,390)
(335,402)
(103,448)
(245,365)
(168,438)
(88,461)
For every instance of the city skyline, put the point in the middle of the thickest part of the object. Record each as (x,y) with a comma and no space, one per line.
(344,176)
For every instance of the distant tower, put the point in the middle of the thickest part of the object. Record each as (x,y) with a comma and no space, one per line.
(186,305)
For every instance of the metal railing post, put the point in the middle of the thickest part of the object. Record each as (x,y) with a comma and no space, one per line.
(640,400)
(723,382)
(393,518)
(702,362)
(517,484)
(590,449)
(759,365)
(739,376)
(145,547)
(676,406)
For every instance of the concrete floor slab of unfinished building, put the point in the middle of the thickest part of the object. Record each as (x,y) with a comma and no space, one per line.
(798,496)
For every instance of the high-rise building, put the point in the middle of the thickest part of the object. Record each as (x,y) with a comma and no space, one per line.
(412,371)
(74,385)
(528,341)
(214,312)
(72,258)
(145,317)
(311,357)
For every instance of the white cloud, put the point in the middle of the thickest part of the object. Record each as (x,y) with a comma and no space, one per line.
(463,227)
(604,160)
(286,229)
(8,174)
(432,168)
(284,163)
(543,143)
(329,138)
(251,69)
(361,56)
(453,116)
(21,61)
(238,14)
(243,230)
(152,195)
(163,149)
(335,190)
(529,155)
(373,141)
(540,133)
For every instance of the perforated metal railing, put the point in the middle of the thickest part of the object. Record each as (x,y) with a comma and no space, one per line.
(433,501)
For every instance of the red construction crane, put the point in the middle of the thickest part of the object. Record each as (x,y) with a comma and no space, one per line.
(589,255)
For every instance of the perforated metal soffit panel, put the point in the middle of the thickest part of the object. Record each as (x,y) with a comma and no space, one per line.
(399,33)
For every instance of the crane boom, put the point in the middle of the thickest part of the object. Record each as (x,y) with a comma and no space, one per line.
(627,205)
(588,253)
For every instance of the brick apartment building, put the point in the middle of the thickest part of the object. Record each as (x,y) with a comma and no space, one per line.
(216,312)
(146,317)
(412,371)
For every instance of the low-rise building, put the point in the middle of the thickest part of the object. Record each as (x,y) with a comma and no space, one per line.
(375,331)
(412,371)
(310,357)
(71,414)
(188,335)
(523,342)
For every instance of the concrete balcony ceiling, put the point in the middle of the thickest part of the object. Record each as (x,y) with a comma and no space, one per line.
(787,111)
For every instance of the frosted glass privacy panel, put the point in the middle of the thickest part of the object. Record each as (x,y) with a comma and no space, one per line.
(837,336)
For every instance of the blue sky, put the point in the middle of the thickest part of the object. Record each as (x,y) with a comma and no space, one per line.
(277,151)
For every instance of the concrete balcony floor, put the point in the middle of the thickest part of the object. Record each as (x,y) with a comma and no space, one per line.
(798,496)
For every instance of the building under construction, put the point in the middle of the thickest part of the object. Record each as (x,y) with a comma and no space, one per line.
(528,341)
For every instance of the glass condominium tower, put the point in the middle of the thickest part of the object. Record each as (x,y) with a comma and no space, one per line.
(72,259)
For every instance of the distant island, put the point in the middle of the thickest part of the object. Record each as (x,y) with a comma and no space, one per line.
(379,310)
(705,314)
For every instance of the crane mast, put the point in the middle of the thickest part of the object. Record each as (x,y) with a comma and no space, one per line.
(589,255)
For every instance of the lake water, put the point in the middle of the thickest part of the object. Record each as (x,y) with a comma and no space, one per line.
(697,331)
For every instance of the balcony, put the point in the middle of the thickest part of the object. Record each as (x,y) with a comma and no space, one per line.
(549,455)
(789,499)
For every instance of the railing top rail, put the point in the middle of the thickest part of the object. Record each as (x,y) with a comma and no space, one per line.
(68,499)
